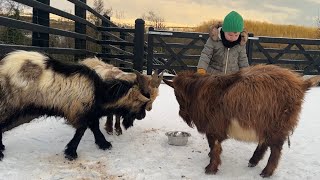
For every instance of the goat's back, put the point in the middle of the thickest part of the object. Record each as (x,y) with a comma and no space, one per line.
(265,98)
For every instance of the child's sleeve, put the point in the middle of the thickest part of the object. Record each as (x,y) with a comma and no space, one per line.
(243,58)
(206,55)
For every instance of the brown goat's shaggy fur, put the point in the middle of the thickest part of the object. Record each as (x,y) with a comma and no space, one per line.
(257,104)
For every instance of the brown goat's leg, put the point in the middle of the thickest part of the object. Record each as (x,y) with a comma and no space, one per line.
(273,159)
(117,126)
(100,140)
(209,138)
(216,149)
(258,155)
(109,124)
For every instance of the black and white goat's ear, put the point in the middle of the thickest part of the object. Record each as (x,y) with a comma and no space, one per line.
(156,79)
(142,82)
(168,82)
(155,73)
(160,76)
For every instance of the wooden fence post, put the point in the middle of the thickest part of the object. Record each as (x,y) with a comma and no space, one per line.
(249,48)
(150,52)
(42,18)
(80,28)
(138,48)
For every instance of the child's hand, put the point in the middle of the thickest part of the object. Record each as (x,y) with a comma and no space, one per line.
(201,71)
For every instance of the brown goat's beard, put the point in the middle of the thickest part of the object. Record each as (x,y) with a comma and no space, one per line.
(186,118)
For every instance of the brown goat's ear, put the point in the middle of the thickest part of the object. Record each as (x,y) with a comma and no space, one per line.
(169,83)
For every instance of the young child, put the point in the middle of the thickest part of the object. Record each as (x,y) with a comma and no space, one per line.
(225,50)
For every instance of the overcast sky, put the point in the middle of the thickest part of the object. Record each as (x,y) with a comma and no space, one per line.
(194,12)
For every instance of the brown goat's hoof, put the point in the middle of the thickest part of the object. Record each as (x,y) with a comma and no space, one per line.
(252,164)
(118,132)
(105,145)
(211,170)
(109,130)
(265,174)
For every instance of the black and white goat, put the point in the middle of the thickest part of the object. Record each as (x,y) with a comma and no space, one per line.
(32,83)
(150,85)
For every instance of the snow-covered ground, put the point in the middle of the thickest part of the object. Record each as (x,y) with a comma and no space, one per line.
(35,150)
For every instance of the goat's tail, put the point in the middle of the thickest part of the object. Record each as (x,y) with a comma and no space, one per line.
(314,81)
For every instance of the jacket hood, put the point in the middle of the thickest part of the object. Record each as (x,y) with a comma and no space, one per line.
(214,33)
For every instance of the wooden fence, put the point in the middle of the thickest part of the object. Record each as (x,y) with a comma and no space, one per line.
(124,46)
(164,50)
(181,51)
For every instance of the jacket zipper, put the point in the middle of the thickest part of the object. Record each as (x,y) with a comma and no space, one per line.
(225,70)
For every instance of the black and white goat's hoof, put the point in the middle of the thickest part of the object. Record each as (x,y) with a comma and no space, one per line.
(2,147)
(104,145)
(70,155)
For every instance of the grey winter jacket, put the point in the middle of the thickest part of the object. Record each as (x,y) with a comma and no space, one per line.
(216,58)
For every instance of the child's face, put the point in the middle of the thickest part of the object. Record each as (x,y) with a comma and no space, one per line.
(232,36)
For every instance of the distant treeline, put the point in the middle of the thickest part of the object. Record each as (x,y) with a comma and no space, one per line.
(268,29)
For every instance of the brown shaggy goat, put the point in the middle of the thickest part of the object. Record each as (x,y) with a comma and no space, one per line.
(106,71)
(257,104)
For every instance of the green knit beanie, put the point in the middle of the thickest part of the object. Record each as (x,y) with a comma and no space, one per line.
(233,22)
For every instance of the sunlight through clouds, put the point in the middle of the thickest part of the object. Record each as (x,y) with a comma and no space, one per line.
(195,12)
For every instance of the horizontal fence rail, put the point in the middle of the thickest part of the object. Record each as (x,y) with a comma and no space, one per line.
(173,55)
(301,55)
(106,40)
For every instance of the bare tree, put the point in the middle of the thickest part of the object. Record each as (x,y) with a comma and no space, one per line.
(98,6)
(155,20)
(318,25)
(9,7)
(119,14)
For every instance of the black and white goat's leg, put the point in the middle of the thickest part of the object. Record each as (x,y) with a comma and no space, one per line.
(215,152)
(258,154)
(100,140)
(117,125)
(109,124)
(71,148)
(1,146)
